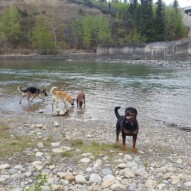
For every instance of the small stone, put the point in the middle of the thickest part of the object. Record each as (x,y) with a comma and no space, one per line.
(107,183)
(55,144)
(59,150)
(40,145)
(79,179)
(95,178)
(39,154)
(56,124)
(187,184)
(85,160)
(89,136)
(4,166)
(106,171)
(55,187)
(118,187)
(45,188)
(142,172)
(35,163)
(122,165)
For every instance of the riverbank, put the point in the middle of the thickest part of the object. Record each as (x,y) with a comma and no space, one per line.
(92,162)
(93,57)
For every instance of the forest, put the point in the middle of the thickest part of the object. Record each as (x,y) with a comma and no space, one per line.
(50,30)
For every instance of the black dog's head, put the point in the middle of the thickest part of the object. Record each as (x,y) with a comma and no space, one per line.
(44,92)
(131,114)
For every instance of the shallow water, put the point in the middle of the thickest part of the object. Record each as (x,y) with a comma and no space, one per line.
(159,94)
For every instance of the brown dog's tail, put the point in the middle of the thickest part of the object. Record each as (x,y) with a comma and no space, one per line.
(52,90)
(116,112)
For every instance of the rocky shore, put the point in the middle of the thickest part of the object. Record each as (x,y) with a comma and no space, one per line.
(162,162)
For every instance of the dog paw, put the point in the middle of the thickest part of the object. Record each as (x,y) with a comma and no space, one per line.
(123,148)
(134,150)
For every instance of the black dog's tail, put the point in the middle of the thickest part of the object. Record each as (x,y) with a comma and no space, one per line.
(20,89)
(116,112)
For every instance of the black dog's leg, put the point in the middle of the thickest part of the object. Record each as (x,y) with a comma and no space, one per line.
(124,141)
(134,143)
(24,95)
(43,100)
(117,133)
(28,98)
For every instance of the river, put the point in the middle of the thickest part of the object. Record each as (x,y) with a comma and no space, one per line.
(160,94)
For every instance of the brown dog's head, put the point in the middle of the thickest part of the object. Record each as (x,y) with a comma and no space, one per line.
(72,101)
(131,114)
(80,103)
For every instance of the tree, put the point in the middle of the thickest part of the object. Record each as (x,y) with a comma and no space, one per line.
(41,37)
(174,28)
(146,20)
(102,30)
(10,29)
(159,22)
(90,31)
(175,4)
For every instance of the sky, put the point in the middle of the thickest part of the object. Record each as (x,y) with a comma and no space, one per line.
(182,3)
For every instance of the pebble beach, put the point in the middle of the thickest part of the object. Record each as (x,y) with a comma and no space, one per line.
(163,160)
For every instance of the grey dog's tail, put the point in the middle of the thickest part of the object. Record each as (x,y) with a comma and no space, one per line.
(116,112)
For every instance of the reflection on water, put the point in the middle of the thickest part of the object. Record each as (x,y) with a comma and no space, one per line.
(157,93)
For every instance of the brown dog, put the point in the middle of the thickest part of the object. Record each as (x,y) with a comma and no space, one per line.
(80,99)
(58,95)
(32,92)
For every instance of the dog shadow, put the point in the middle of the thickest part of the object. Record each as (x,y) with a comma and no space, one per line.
(33,107)
(80,112)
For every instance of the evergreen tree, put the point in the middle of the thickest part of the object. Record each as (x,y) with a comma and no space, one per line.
(159,23)
(175,4)
(146,20)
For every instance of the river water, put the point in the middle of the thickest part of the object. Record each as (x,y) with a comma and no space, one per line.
(160,94)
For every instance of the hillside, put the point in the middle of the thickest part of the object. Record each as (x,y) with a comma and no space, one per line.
(51,27)
(58,9)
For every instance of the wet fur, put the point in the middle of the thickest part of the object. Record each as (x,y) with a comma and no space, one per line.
(58,95)
(80,99)
(32,92)
(127,127)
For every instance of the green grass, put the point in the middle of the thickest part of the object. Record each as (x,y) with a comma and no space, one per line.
(10,144)
(40,181)
(68,154)
(95,148)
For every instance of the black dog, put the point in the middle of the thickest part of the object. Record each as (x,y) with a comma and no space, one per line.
(32,92)
(127,125)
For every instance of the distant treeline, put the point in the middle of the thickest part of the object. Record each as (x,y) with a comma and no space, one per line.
(118,24)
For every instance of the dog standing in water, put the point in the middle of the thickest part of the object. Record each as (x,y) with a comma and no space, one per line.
(58,95)
(32,92)
(80,99)
(127,124)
